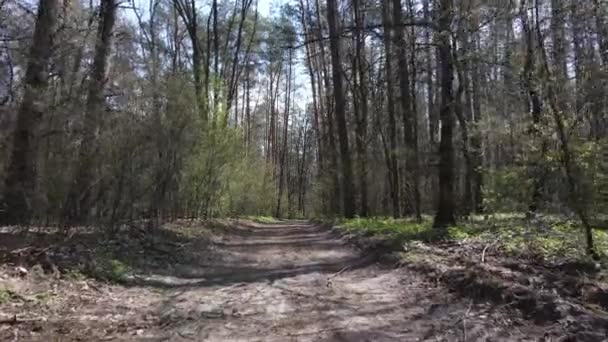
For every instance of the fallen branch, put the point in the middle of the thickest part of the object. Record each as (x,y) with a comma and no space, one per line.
(14,320)
(11,321)
(483,253)
(344,269)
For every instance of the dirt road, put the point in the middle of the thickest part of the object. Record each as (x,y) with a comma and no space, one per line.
(293,281)
(296,281)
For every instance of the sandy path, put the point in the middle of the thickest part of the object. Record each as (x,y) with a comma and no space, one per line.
(296,281)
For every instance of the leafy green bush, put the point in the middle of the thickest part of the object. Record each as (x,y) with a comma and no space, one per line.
(506,189)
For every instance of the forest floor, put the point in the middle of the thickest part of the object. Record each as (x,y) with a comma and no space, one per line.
(286,281)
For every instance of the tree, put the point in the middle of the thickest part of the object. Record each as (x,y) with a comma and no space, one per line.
(340,110)
(445,205)
(360,105)
(22,176)
(81,194)
(202,113)
(392,123)
(409,115)
(187,11)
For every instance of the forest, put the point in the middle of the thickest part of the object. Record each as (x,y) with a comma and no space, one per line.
(433,120)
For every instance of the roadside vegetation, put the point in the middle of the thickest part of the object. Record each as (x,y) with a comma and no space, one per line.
(544,238)
(262,219)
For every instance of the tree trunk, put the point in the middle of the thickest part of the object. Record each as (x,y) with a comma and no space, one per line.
(361,100)
(463,115)
(445,204)
(429,39)
(410,121)
(79,198)
(476,136)
(282,163)
(22,177)
(340,110)
(602,30)
(537,169)
(577,201)
(392,124)
(216,58)
(187,11)
(313,85)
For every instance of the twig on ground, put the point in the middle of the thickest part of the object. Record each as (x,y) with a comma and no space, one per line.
(318,331)
(344,269)
(10,321)
(181,334)
(483,254)
(485,249)
(14,320)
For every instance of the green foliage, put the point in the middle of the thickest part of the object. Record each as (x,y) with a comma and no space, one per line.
(6,295)
(263,219)
(220,180)
(399,229)
(249,188)
(76,275)
(320,196)
(508,186)
(544,239)
(506,189)
(593,178)
(109,269)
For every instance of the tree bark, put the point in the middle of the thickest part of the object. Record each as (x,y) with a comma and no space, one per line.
(392,124)
(444,216)
(340,111)
(537,169)
(22,176)
(410,120)
(577,201)
(361,100)
(78,204)
(187,11)
(282,164)
(476,136)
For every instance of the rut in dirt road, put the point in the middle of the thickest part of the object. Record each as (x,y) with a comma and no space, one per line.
(297,281)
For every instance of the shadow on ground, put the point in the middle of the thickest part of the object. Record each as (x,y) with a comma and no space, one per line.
(260,253)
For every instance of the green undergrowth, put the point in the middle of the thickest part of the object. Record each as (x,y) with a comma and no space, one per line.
(197,229)
(399,229)
(6,295)
(109,268)
(545,238)
(263,219)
